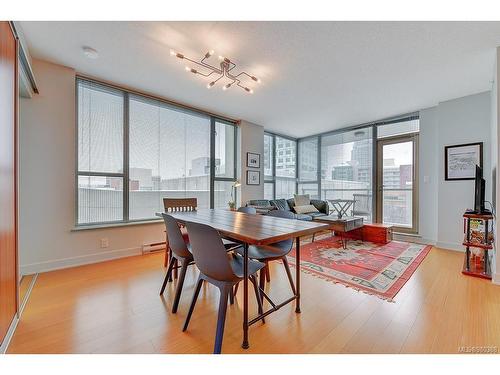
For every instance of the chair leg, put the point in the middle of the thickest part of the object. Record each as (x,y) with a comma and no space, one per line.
(268,274)
(193,303)
(258,296)
(232,293)
(176,273)
(262,279)
(289,274)
(180,283)
(221,320)
(167,277)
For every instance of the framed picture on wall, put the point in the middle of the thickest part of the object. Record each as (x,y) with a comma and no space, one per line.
(253,177)
(253,160)
(460,161)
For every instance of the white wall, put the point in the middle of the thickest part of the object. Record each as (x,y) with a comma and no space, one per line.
(442,203)
(251,140)
(47,182)
(495,158)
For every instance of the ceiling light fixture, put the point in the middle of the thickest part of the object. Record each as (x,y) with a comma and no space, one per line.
(224,70)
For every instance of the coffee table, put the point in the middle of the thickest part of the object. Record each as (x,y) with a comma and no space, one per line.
(341,226)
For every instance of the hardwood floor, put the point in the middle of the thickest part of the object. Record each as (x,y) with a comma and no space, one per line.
(114,307)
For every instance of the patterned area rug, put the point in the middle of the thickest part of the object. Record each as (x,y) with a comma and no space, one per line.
(376,269)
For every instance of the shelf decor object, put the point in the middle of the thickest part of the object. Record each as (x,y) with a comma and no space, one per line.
(461,160)
(225,69)
(478,240)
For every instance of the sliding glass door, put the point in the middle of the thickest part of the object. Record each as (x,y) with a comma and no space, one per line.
(397,182)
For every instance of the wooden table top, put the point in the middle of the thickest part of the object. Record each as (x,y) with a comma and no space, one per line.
(251,229)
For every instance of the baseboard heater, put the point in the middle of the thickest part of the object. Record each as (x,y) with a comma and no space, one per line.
(153,247)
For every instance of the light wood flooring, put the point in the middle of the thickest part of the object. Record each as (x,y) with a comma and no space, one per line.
(114,307)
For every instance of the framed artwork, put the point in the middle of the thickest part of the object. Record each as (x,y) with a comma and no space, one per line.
(253,177)
(253,160)
(460,161)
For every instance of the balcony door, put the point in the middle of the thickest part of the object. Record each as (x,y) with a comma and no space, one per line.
(397,185)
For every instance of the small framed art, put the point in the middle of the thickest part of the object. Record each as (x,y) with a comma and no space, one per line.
(253,177)
(253,160)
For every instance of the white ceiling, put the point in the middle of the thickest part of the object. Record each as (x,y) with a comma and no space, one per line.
(316,76)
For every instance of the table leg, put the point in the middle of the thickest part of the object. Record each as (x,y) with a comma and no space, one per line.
(245,344)
(297,274)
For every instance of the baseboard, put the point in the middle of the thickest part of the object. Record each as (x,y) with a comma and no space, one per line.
(52,265)
(496,279)
(413,239)
(10,333)
(451,246)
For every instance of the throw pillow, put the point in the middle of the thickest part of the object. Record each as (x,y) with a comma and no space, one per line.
(280,204)
(306,209)
(302,200)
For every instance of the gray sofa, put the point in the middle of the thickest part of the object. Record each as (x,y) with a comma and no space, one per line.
(263,206)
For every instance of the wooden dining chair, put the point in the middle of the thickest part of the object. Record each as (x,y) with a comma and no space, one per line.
(220,269)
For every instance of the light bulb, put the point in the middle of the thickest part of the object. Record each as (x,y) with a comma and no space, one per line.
(209,53)
(221,57)
(187,68)
(256,79)
(227,86)
(172,52)
(210,85)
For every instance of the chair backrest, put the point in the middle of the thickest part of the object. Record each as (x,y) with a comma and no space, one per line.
(285,244)
(209,252)
(174,236)
(180,204)
(248,210)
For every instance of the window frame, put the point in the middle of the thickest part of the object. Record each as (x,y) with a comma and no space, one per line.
(125,174)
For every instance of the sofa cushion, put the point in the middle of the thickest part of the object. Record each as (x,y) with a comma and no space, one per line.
(305,209)
(302,200)
(258,203)
(280,204)
(304,217)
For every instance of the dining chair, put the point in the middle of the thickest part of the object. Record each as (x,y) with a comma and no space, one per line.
(220,269)
(180,255)
(248,210)
(275,251)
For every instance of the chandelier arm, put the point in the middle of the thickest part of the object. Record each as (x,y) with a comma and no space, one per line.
(203,65)
(210,66)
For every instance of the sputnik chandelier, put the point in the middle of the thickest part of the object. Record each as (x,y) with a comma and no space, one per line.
(226,66)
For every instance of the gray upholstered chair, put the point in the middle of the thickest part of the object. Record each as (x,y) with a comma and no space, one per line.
(248,210)
(275,251)
(181,255)
(219,269)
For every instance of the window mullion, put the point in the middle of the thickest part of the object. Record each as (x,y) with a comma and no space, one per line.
(126,168)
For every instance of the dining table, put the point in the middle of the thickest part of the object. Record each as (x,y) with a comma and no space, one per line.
(260,230)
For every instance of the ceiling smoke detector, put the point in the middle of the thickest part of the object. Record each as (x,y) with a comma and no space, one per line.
(90,52)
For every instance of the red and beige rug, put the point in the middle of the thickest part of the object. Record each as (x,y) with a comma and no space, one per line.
(376,269)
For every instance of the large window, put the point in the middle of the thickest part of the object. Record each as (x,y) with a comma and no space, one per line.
(308,167)
(347,169)
(134,151)
(280,167)
(372,166)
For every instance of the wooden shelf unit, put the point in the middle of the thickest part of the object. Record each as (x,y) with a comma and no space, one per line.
(476,269)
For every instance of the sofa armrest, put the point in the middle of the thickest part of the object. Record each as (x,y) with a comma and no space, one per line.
(321,206)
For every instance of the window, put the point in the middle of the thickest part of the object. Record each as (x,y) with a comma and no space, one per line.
(279,172)
(346,169)
(100,154)
(128,163)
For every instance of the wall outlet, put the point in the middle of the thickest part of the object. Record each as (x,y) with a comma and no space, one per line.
(104,243)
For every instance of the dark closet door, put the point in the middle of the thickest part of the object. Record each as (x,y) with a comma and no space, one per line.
(8,149)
